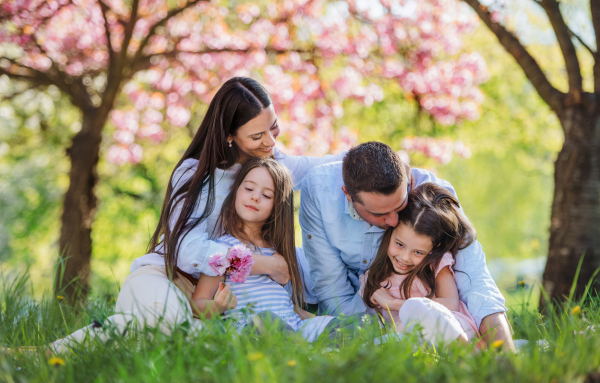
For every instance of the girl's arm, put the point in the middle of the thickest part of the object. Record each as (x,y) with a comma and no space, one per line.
(212,297)
(446,291)
(385,300)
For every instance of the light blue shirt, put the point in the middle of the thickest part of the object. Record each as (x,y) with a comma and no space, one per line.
(339,247)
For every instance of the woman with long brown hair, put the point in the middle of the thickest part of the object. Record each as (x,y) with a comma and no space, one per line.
(240,124)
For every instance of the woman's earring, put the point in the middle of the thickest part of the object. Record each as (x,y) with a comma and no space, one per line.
(229,142)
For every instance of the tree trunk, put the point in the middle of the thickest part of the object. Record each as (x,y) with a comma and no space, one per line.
(575,220)
(79,207)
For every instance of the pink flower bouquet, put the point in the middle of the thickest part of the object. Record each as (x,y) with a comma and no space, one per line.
(238,262)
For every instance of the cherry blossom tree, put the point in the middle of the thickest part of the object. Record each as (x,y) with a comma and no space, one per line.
(575,217)
(137,67)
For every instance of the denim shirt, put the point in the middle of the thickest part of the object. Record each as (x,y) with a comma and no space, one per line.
(339,247)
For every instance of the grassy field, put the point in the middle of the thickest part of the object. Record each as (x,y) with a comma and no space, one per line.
(213,355)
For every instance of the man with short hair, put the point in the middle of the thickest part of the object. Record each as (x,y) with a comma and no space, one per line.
(344,210)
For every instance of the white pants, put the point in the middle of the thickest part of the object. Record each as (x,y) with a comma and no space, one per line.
(147,299)
(438,323)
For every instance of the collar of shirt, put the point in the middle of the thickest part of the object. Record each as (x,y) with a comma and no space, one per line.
(351,211)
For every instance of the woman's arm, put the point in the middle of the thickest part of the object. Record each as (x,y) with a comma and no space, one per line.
(274,266)
(212,297)
(446,291)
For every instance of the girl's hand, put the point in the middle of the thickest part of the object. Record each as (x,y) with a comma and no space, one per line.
(385,300)
(224,299)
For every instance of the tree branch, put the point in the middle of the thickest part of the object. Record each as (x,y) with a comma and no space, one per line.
(566,46)
(128,32)
(172,13)
(552,96)
(595,8)
(111,53)
(573,34)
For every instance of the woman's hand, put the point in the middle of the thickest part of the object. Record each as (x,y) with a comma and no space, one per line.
(224,299)
(385,300)
(274,266)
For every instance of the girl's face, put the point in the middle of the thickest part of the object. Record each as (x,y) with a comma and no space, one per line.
(254,198)
(407,249)
(256,138)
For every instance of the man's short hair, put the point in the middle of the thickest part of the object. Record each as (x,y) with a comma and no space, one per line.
(372,167)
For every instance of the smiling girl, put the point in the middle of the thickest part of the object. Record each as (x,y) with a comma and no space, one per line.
(259,213)
(411,279)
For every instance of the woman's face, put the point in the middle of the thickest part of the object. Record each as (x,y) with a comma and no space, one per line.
(254,198)
(407,248)
(256,138)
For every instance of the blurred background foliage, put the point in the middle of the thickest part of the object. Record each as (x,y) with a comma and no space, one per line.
(506,186)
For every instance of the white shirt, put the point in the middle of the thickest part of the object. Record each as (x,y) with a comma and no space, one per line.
(198,245)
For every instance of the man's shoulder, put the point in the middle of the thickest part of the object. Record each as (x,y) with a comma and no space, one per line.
(422,176)
(325,174)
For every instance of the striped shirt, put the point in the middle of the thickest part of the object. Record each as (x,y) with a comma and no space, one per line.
(260,293)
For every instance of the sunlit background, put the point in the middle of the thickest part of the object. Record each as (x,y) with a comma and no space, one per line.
(498,150)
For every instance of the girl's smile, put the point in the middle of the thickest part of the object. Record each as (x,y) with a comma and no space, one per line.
(251,207)
(407,248)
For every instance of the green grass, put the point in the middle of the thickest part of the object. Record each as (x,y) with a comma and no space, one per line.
(213,355)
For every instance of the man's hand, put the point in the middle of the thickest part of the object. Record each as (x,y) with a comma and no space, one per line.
(385,300)
(224,299)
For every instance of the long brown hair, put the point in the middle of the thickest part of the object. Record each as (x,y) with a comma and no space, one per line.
(238,101)
(431,211)
(278,230)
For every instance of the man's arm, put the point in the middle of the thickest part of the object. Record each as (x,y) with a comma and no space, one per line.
(495,327)
(328,272)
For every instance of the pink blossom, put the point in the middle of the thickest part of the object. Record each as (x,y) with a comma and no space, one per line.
(238,262)
(219,263)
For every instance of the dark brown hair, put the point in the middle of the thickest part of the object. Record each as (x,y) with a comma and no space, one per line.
(238,101)
(372,167)
(431,211)
(278,230)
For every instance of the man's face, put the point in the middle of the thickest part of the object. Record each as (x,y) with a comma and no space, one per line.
(378,209)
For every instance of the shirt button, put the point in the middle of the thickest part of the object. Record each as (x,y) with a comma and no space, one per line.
(309,236)
(365,261)
(196,265)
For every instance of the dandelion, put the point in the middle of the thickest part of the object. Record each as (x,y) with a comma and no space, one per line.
(576,310)
(255,356)
(56,361)
(522,283)
(291,363)
(497,343)
(60,298)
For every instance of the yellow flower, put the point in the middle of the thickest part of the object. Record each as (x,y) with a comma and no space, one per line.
(56,361)
(521,283)
(576,310)
(291,363)
(497,343)
(60,298)
(255,356)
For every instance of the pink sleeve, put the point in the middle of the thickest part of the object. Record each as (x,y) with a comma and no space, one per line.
(447,260)
(363,282)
